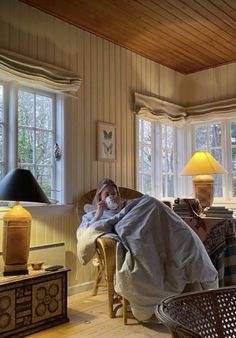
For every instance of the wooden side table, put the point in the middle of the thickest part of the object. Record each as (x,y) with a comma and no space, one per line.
(33,302)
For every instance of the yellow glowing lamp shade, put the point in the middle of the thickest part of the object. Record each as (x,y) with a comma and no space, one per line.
(201,165)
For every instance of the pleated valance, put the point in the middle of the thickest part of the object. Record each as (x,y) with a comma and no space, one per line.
(155,109)
(22,68)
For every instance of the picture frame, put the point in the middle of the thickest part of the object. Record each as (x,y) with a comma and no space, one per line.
(106,141)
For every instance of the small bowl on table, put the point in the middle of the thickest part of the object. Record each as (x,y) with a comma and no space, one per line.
(37,265)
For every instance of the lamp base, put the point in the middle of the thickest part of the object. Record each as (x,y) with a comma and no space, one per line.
(16,241)
(15,269)
(204,189)
(15,272)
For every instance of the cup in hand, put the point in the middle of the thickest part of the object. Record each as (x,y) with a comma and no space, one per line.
(110,202)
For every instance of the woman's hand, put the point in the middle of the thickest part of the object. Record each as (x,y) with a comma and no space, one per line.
(101,206)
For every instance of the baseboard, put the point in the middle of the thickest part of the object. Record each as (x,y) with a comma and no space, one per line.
(74,289)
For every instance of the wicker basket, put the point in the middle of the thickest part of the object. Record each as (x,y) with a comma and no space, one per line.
(205,314)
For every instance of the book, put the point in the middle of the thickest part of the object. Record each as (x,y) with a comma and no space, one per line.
(218,211)
(220,215)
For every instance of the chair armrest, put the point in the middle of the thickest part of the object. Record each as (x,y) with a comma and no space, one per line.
(106,249)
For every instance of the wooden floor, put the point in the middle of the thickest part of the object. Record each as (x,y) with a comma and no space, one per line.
(88,318)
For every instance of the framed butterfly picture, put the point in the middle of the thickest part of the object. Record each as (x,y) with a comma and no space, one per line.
(106,141)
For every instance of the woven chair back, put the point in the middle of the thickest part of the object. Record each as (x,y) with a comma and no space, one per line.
(87,198)
(205,314)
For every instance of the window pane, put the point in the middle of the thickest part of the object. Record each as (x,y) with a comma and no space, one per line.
(25,146)
(1,143)
(215,135)
(36,136)
(233,133)
(43,147)
(217,154)
(140,130)
(147,159)
(1,104)
(145,182)
(25,108)
(147,132)
(234,159)
(218,191)
(43,112)
(44,177)
(201,137)
(167,149)
(234,184)
(168,186)
(1,172)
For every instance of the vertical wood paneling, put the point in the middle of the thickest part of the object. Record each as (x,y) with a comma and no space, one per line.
(112,98)
(100,91)
(87,110)
(129,121)
(110,75)
(123,97)
(118,113)
(94,104)
(209,85)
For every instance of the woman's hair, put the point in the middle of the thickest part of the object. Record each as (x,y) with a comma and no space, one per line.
(104,183)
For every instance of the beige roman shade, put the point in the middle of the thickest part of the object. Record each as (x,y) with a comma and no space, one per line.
(155,109)
(21,68)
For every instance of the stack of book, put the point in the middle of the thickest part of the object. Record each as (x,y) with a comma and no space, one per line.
(182,210)
(221,212)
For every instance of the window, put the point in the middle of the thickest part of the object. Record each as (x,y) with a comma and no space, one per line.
(209,137)
(167,156)
(164,150)
(156,159)
(28,134)
(36,137)
(145,156)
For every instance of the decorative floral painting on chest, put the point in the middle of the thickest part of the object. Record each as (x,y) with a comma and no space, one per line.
(106,141)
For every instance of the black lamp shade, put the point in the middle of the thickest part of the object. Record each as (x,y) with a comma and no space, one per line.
(20,185)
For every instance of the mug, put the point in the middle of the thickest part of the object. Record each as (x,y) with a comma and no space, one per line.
(110,202)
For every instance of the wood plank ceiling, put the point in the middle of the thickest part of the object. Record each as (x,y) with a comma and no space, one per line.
(184,35)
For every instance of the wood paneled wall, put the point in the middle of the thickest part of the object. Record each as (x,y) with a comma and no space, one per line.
(210,85)
(110,75)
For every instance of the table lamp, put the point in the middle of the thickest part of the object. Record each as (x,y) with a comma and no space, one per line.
(18,185)
(201,165)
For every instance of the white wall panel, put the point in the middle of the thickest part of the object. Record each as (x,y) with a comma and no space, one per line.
(211,85)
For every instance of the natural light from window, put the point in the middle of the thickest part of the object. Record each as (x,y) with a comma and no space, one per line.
(163,151)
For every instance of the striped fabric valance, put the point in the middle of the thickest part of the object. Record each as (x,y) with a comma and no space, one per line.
(22,68)
(155,109)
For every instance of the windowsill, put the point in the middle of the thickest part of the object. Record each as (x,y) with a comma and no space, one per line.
(39,210)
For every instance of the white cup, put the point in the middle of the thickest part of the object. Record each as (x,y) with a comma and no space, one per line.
(110,202)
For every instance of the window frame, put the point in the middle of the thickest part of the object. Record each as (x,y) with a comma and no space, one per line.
(156,148)
(10,98)
(186,136)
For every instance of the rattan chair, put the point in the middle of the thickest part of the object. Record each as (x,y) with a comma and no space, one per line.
(205,314)
(106,256)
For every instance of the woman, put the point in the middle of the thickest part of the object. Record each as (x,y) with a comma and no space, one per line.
(158,255)
(105,190)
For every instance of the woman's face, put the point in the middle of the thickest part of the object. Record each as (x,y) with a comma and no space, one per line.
(109,190)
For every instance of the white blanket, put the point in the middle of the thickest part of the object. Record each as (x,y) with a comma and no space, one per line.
(157,253)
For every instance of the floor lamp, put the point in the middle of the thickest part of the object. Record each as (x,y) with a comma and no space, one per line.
(201,166)
(18,185)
